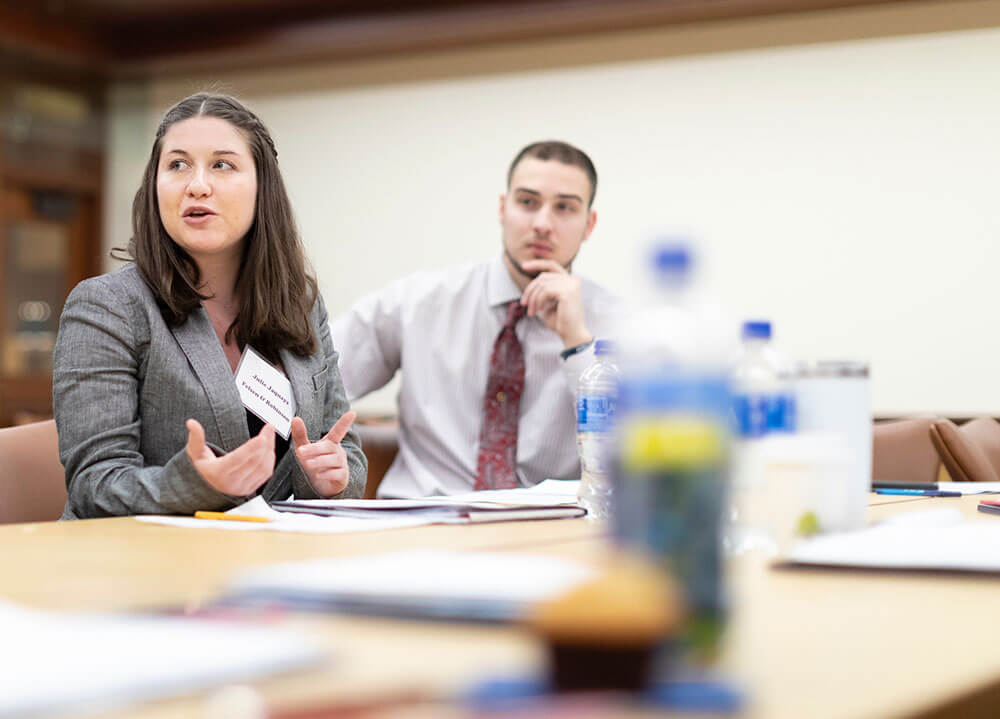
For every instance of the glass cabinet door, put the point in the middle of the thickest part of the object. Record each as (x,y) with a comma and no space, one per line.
(37,267)
(51,177)
(34,285)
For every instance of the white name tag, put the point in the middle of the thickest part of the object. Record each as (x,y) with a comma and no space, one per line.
(265,391)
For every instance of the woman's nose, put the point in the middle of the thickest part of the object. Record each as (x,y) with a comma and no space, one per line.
(199,185)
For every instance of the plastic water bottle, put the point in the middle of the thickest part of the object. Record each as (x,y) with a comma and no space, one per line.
(595,412)
(762,397)
(763,406)
(673,439)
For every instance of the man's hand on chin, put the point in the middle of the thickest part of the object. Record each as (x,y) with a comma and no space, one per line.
(554,297)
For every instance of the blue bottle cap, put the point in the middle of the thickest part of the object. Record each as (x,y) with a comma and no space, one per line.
(604,347)
(671,257)
(757,330)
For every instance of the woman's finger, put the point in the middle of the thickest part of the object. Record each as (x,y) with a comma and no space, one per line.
(320,447)
(240,461)
(339,430)
(333,460)
(300,438)
(333,480)
(196,439)
(254,473)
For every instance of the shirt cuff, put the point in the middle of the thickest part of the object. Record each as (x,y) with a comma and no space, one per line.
(570,351)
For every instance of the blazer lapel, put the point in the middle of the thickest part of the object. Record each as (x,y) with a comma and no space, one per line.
(199,343)
(308,405)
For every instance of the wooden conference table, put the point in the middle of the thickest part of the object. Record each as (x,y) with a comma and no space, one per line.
(809,643)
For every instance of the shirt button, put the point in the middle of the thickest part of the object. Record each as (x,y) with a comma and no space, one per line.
(501,397)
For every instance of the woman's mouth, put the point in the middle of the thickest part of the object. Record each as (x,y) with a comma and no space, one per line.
(197,215)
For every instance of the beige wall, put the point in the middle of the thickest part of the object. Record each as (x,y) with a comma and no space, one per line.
(840,170)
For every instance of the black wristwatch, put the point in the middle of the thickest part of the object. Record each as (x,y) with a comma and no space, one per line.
(570,351)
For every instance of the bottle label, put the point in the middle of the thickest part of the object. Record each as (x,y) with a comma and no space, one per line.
(760,414)
(781,413)
(594,413)
(699,393)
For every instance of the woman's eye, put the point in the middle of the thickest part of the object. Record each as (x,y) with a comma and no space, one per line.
(223,165)
(175,164)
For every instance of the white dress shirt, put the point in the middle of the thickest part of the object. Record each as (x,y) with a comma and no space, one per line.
(439,329)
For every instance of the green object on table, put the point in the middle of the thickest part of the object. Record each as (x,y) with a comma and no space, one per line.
(808,524)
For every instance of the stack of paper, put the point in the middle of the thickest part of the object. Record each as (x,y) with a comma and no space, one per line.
(82,663)
(551,499)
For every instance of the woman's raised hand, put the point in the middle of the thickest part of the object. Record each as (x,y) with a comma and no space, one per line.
(324,461)
(238,473)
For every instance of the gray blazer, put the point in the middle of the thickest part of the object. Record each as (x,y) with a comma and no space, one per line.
(124,383)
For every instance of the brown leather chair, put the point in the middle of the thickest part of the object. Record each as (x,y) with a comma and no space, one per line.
(379,440)
(903,451)
(971,452)
(32,481)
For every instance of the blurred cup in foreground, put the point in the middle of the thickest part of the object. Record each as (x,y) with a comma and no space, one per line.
(804,487)
(833,399)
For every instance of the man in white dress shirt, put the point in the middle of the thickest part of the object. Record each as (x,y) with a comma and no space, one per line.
(444,330)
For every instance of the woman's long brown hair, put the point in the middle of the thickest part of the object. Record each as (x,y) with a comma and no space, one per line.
(275,288)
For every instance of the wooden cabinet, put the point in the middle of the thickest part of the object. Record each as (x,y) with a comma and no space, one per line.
(51,172)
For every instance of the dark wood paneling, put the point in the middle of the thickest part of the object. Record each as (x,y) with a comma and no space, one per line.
(157,36)
(26,34)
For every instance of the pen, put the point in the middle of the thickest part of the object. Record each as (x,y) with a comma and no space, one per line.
(905,485)
(229,517)
(919,492)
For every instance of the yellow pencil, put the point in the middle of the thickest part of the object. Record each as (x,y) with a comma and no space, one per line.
(229,517)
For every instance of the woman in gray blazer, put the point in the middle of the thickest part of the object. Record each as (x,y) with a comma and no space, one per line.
(149,415)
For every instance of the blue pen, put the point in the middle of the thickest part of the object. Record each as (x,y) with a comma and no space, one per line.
(919,492)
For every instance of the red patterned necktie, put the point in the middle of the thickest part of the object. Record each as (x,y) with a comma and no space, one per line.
(497,467)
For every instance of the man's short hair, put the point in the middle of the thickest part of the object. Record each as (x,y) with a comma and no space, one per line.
(561,152)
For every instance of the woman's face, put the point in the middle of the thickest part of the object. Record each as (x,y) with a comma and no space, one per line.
(206,186)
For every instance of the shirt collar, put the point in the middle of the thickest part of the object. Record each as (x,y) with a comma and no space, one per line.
(500,288)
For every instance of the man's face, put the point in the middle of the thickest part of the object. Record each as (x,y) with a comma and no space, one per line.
(544,215)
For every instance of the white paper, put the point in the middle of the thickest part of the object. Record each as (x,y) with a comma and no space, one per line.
(566,487)
(286,521)
(422,577)
(970,487)
(936,539)
(87,663)
(265,391)
(551,492)
(486,499)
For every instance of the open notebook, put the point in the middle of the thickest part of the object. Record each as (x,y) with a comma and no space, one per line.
(56,662)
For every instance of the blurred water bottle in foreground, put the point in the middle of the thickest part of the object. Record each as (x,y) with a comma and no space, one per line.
(673,437)
(595,412)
